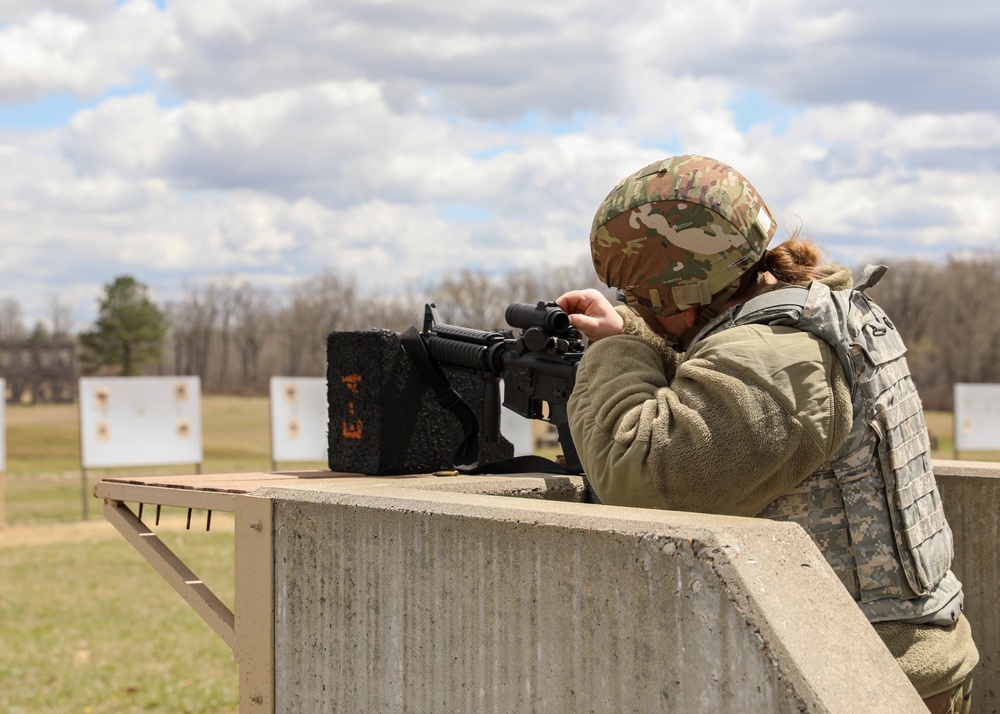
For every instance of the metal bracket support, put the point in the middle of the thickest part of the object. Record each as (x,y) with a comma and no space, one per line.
(255,603)
(198,595)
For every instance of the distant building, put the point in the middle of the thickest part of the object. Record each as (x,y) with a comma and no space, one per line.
(39,371)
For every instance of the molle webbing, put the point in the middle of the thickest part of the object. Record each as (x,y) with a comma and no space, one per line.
(816,504)
(878,490)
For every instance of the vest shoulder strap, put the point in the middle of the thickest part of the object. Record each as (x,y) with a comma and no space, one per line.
(779,301)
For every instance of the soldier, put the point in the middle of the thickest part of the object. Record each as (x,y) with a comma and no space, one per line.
(744,381)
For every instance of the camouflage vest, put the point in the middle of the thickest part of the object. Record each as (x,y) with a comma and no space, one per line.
(874,510)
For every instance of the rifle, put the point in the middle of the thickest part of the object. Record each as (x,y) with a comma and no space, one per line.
(537,366)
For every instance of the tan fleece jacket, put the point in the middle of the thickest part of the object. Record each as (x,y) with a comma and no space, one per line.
(727,428)
(747,414)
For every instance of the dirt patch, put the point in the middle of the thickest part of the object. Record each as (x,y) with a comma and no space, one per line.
(92,531)
(95,531)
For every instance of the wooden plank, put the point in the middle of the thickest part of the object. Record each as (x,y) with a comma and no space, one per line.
(247,482)
(216,492)
(154,495)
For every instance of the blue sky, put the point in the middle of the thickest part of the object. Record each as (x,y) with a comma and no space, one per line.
(191,140)
(49,112)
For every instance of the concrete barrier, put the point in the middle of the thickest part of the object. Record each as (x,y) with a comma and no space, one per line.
(971,495)
(484,595)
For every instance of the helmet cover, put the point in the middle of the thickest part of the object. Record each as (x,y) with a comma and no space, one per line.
(679,232)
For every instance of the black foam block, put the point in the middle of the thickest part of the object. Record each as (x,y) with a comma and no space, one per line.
(384,419)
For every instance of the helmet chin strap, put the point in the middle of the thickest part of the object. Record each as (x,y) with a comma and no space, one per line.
(647,315)
(705,315)
(679,343)
(709,312)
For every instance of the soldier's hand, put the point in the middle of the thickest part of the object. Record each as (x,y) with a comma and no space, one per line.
(591,313)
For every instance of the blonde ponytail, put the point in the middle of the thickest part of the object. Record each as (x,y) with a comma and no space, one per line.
(795,261)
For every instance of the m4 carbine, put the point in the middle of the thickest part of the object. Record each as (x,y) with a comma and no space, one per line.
(537,366)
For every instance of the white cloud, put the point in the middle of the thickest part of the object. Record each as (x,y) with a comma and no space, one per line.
(51,51)
(15,10)
(272,138)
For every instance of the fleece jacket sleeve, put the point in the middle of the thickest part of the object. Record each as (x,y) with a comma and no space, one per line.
(747,416)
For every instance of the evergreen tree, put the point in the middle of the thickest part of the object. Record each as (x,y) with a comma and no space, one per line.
(129,329)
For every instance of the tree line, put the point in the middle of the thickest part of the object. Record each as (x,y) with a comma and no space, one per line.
(235,335)
(946,314)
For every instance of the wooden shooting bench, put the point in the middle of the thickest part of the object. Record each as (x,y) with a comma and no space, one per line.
(249,631)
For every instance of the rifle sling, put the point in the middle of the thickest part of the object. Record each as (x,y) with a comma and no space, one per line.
(533,464)
(467,455)
(526,464)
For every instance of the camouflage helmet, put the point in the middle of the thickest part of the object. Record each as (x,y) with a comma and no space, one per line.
(679,233)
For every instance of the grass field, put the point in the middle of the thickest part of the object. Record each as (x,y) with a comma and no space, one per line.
(43,480)
(86,625)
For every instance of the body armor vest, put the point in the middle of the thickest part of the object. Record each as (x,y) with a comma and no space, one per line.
(874,510)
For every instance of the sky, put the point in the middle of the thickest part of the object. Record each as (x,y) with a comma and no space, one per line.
(182,141)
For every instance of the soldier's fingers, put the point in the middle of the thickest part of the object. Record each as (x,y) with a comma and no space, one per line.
(573,301)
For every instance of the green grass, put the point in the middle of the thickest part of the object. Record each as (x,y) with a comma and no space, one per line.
(43,438)
(44,482)
(41,498)
(86,625)
(236,436)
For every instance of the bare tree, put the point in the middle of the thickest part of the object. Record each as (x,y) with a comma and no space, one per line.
(945,315)
(471,299)
(60,317)
(235,336)
(546,285)
(225,300)
(253,323)
(315,308)
(193,321)
(966,320)
(11,325)
(394,312)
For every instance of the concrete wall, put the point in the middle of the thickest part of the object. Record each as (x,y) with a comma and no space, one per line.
(971,495)
(454,595)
